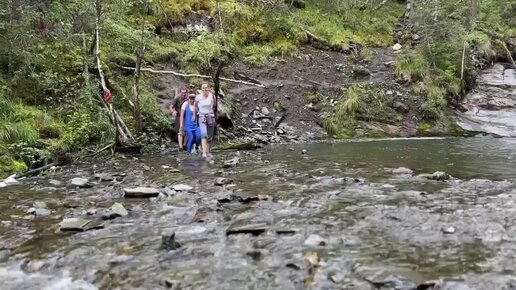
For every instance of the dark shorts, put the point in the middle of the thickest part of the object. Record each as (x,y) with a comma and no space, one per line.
(176,123)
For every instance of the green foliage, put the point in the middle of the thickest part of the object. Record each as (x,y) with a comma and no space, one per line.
(9,166)
(83,127)
(342,24)
(362,99)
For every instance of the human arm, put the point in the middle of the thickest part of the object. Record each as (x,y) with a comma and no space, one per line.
(182,118)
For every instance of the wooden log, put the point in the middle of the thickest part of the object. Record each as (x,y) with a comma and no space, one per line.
(191,75)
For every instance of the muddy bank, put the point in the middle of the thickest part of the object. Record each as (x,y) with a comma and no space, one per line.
(357,215)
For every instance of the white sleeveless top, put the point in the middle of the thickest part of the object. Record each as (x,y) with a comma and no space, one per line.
(205,104)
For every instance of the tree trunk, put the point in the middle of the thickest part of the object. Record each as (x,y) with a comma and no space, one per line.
(470,21)
(120,135)
(140,51)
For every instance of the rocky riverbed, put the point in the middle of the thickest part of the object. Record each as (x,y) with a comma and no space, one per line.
(383,214)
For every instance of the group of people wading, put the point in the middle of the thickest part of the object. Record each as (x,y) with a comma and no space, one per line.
(194,116)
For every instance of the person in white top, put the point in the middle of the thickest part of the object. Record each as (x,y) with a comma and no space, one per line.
(205,107)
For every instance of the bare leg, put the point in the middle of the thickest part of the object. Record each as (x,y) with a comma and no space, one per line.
(205,147)
(180,140)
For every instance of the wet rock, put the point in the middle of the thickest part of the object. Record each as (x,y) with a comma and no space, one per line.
(104,177)
(91,211)
(448,230)
(231,162)
(42,212)
(120,260)
(304,151)
(141,192)
(117,210)
(79,224)
(314,241)
(222,181)
(403,171)
(40,204)
(250,223)
(31,210)
(168,241)
(440,175)
(243,197)
(80,182)
(182,187)
(55,182)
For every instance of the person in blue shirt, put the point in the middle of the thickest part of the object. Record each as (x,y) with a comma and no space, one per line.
(189,124)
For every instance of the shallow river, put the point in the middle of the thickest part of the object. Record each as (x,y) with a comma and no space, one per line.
(341,215)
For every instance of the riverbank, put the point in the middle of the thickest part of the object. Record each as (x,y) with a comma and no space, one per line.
(316,215)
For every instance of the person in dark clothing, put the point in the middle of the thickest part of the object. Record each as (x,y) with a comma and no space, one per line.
(175,110)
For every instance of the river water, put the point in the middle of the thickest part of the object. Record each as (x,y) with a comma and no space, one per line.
(342,215)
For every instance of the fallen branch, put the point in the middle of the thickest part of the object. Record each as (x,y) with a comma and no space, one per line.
(109,146)
(280,120)
(312,37)
(36,170)
(190,75)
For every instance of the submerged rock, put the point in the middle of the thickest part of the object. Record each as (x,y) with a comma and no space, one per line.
(79,224)
(250,223)
(80,182)
(168,241)
(314,241)
(403,171)
(42,212)
(141,192)
(118,210)
(231,162)
(182,187)
(222,181)
(449,230)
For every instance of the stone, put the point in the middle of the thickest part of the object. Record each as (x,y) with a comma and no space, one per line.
(231,162)
(415,37)
(222,181)
(168,241)
(449,230)
(440,175)
(250,223)
(403,171)
(42,212)
(55,182)
(40,204)
(244,197)
(117,209)
(79,224)
(397,47)
(304,151)
(400,107)
(314,241)
(265,111)
(80,182)
(181,187)
(141,192)
(91,211)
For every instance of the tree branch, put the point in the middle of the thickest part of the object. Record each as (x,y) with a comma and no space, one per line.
(190,75)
